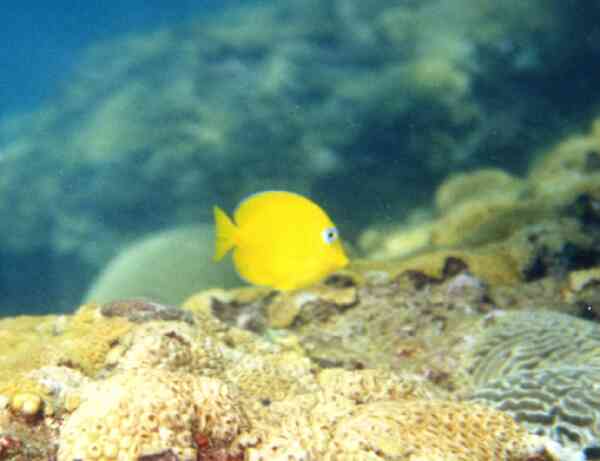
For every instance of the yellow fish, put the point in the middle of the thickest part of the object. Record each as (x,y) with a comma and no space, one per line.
(279,239)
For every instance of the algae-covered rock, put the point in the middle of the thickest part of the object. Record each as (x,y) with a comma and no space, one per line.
(477,222)
(389,241)
(569,169)
(507,229)
(168,266)
(479,184)
(205,389)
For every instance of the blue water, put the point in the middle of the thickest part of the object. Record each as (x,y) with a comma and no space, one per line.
(367,107)
(42,41)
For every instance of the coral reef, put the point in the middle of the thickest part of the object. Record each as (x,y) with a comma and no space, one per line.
(571,168)
(528,340)
(542,368)
(177,388)
(339,369)
(443,355)
(372,319)
(329,429)
(145,412)
(509,229)
(81,341)
(561,402)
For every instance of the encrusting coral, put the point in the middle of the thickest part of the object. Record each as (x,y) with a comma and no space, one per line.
(437,431)
(331,428)
(203,390)
(80,341)
(145,412)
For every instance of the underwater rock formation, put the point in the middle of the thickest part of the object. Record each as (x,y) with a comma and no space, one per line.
(395,430)
(509,229)
(205,390)
(323,372)
(377,362)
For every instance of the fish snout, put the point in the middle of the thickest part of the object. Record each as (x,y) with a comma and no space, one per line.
(342,260)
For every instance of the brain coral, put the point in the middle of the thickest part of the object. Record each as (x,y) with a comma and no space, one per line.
(167,266)
(527,340)
(562,402)
(145,412)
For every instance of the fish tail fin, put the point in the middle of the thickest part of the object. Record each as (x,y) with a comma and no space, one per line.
(225,233)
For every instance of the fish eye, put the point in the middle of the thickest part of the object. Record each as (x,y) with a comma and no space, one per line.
(330,235)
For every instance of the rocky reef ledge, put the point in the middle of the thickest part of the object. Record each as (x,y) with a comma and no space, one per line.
(369,365)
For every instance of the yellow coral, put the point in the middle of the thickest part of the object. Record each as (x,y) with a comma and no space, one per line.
(88,338)
(578,280)
(26,403)
(80,341)
(22,342)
